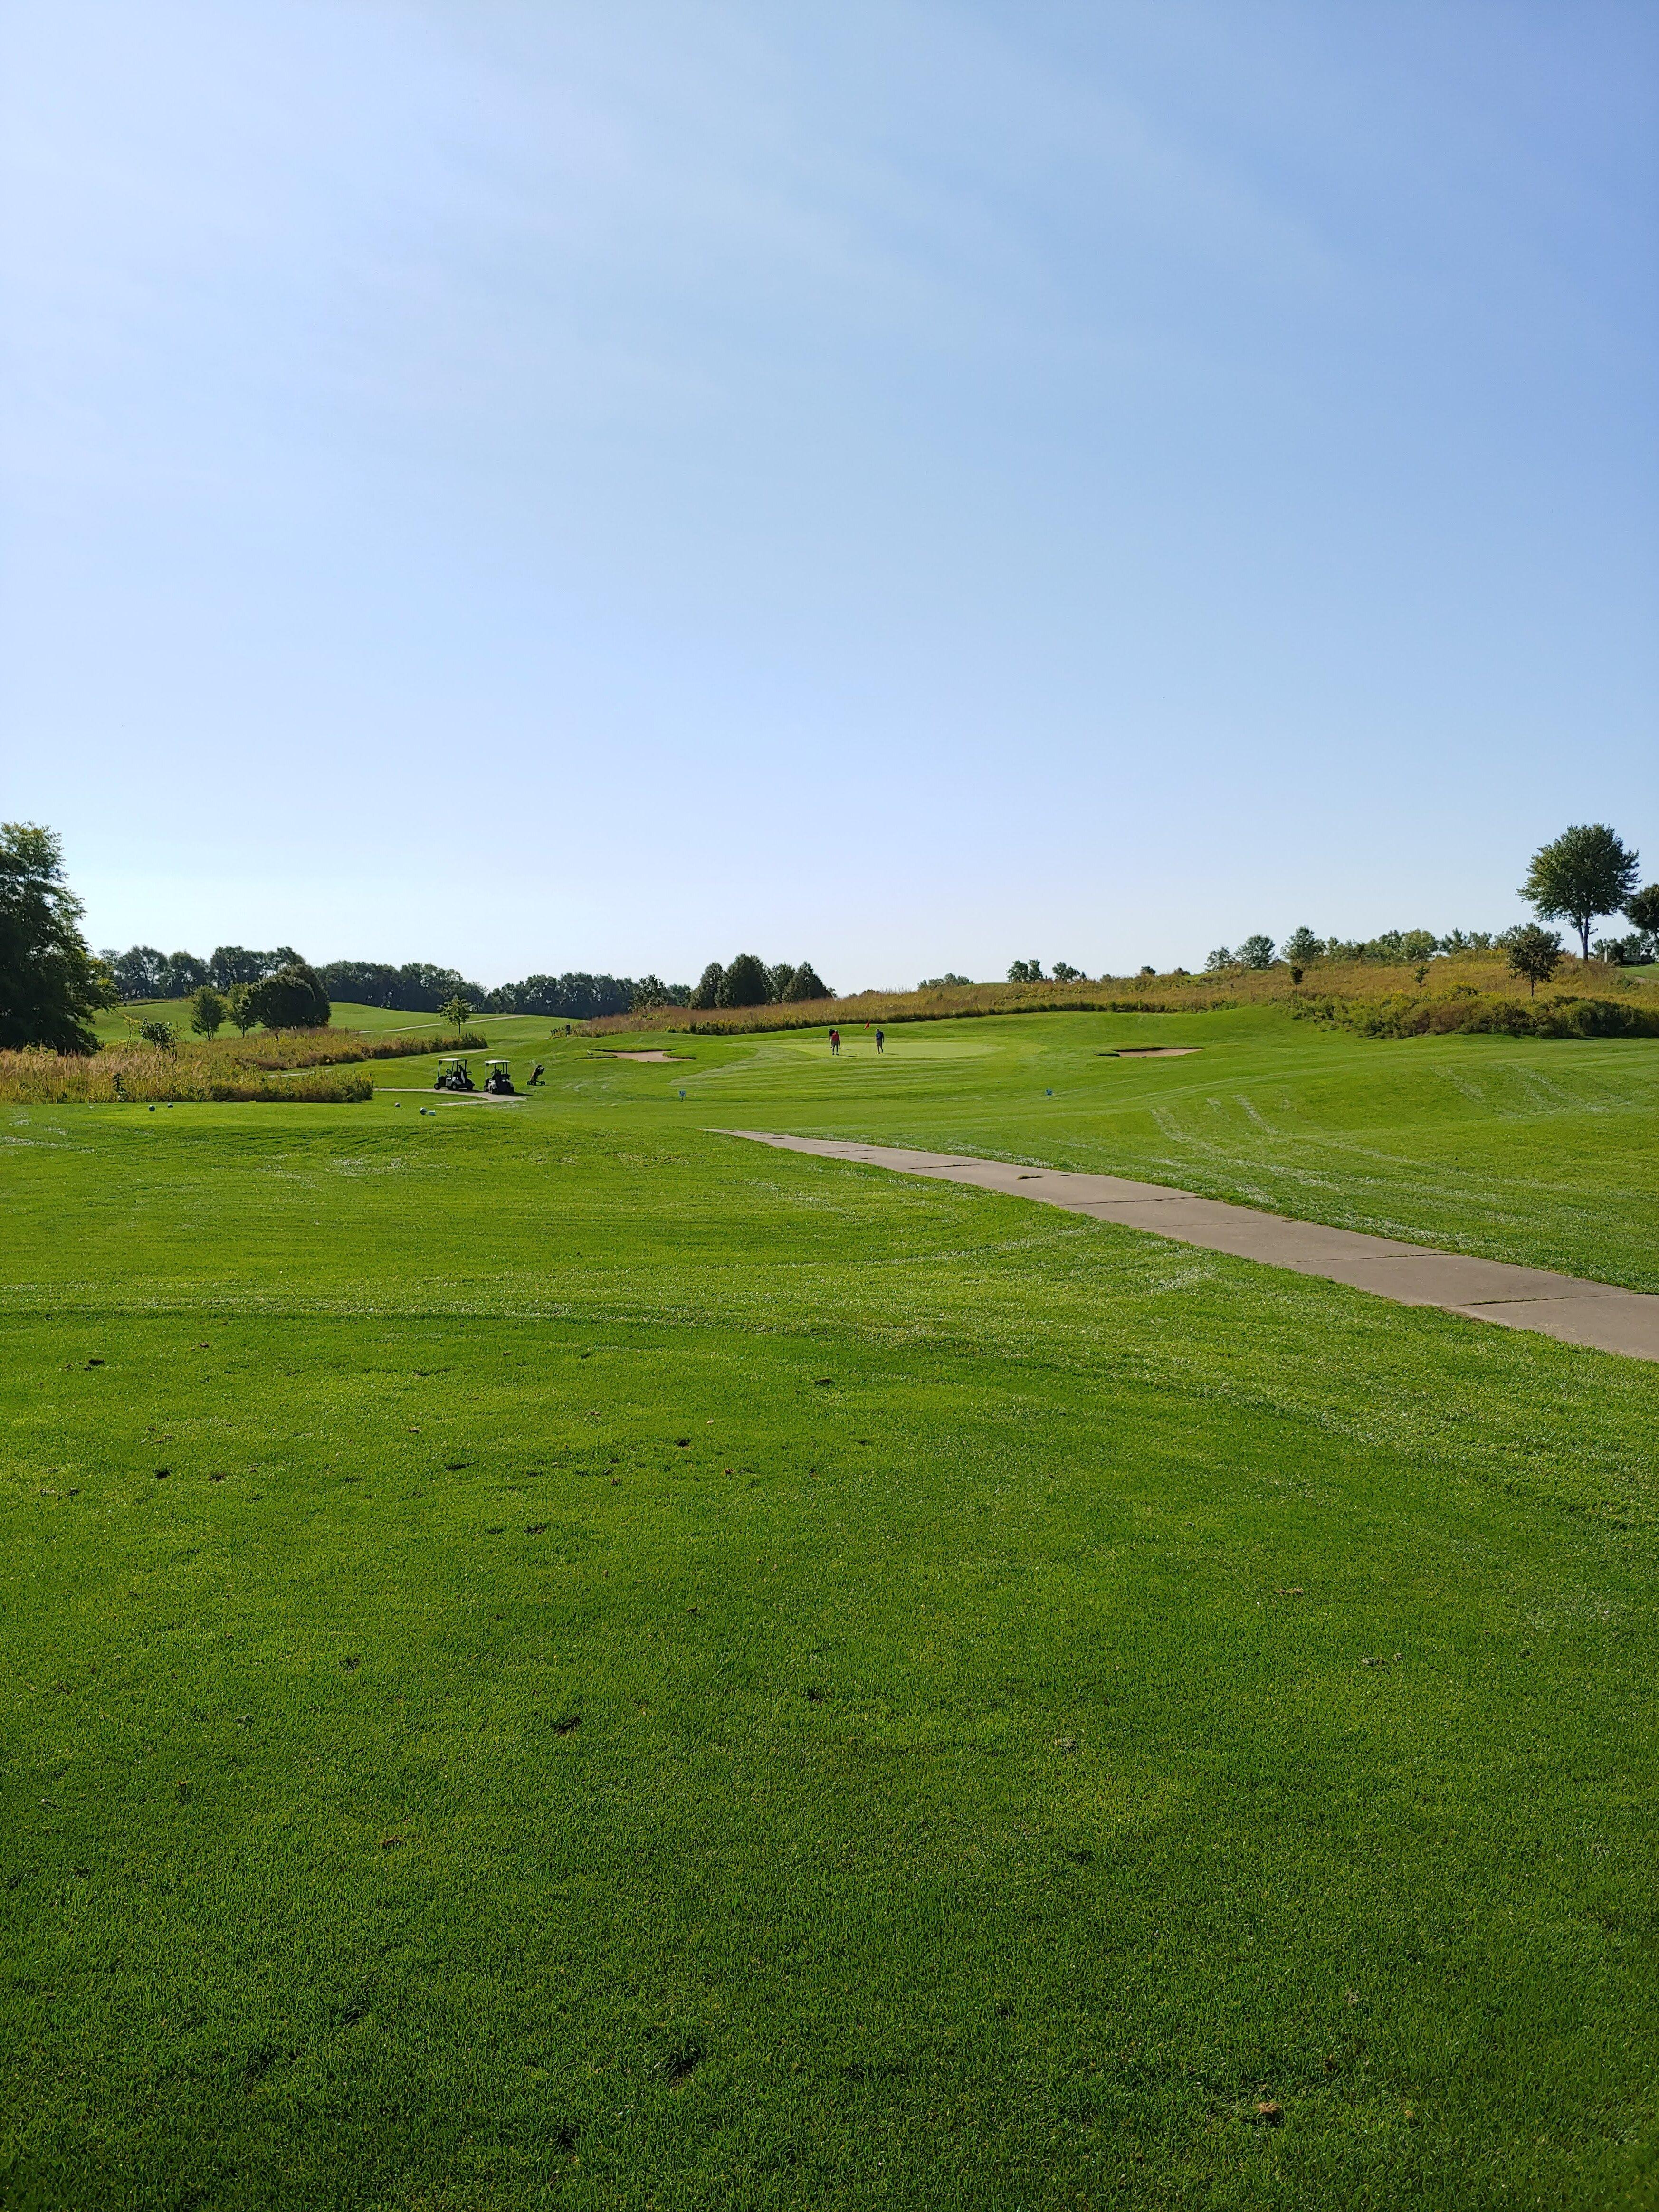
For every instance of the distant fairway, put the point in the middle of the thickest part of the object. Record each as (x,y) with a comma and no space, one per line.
(658,1673)
(1543,1152)
(113,1026)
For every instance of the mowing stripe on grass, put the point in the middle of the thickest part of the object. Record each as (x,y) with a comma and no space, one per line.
(1596,1315)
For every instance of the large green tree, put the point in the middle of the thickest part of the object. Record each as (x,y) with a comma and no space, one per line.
(50,984)
(745,983)
(138,972)
(806,983)
(292,998)
(1587,871)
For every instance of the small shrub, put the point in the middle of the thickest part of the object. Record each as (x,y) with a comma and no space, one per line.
(208,1011)
(1302,946)
(1534,953)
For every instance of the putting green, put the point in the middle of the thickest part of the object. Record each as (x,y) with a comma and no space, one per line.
(917,1043)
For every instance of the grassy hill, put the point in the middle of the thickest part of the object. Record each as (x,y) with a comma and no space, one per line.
(558,1658)
(1359,983)
(111,1027)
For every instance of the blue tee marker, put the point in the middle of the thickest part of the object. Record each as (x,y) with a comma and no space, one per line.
(1048,1094)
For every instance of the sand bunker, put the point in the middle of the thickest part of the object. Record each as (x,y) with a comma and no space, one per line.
(641,1056)
(1152,1052)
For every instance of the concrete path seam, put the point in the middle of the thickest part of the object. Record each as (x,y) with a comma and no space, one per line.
(1600,1316)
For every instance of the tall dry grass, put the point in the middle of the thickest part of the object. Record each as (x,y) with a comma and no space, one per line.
(141,1074)
(290,1048)
(1487,974)
(283,1065)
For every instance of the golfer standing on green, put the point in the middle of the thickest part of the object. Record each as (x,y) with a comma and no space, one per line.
(834,1044)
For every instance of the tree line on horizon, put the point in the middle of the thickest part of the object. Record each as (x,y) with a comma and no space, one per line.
(1587,872)
(51,984)
(749,981)
(417,987)
(420,986)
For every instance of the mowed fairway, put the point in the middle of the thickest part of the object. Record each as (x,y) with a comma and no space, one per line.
(555,1657)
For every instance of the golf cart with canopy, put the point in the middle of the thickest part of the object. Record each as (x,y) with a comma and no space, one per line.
(452,1075)
(498,1079)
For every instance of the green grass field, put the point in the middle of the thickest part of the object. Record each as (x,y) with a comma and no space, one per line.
(557,1658)
(112,1027)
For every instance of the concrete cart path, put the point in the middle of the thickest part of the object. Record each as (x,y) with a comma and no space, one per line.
(1578,1312)
(450,1097)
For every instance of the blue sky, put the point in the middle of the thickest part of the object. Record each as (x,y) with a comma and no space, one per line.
(538,486)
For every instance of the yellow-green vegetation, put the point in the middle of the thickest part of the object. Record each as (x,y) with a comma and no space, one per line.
(142,1074)
(268,1065)
(557,1658)
(1558,1014)
(1448,979)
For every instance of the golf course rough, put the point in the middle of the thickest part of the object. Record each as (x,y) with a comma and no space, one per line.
(555,1658)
